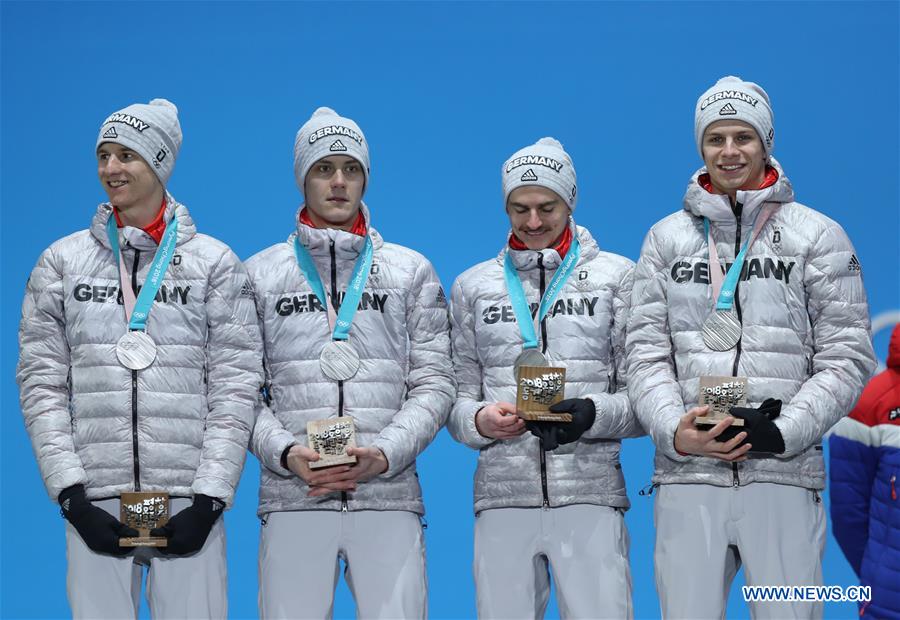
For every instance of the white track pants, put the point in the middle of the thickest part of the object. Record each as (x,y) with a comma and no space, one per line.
(104,586)
(584,547)
(299,559)
(704,533)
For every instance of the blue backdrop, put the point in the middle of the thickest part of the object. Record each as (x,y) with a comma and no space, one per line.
(444,93)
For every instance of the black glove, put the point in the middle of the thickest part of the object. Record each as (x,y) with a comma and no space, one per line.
(759,424)
(98,529)
(547,432)
(188,530)
(583,415)
(554,434)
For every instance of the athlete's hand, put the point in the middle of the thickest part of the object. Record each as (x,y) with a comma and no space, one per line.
(98,529)
(328,478)
(691,440)
(499,421)
(370,462)
(188,530)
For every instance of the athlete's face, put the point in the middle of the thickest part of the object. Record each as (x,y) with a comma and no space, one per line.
(127,179)
(734,156)
(538,216)
(333,191)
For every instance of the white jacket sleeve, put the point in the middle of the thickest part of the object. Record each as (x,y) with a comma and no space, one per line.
(843,358)
(615,419)
(269,437)
(234,365)
(652,385)
(43,377)
(468,372)
(430,384)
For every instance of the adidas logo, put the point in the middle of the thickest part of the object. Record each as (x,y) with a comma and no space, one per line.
(246,289)
(727,109)
(337,145)
(893,415)
(854,265)
(441,297)
(110,133)
(66,505)
(217,505)
(529,175)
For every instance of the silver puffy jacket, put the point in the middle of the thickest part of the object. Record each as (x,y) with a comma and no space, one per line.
(584,332)
(402,393)
(805,338)
(181,425)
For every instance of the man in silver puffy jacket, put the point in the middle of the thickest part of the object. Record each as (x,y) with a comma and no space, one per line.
(747,285)
(353,327)
(554,498)
(139,365)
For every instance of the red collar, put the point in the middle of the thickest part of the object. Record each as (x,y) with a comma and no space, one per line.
(768,180)
(358,228)
(156,228)
(561,246)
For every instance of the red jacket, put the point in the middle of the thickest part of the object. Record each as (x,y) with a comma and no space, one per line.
(865,468)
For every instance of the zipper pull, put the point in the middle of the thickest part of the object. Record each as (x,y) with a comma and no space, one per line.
(893,488)
(545,505)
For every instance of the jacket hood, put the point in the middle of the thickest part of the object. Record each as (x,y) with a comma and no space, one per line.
(525,260)
(893,360)
(717,207)
(129,236)
(346,244)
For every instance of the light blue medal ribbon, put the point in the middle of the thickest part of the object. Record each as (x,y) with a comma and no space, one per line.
(722,330)
(164,253)
(725,295)
(354,287)
(517,294)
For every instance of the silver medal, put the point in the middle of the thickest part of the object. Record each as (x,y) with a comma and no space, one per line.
(136,350)
(722,330)
(339,360)
(529,357)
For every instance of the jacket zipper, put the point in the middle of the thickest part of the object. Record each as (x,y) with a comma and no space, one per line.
(738,209)
(893,488)
(134,390)
(336,305)
(546,496)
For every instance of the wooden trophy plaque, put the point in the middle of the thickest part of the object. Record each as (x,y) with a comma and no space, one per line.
(721,394)
(538,387)
(144,512)
(331,438)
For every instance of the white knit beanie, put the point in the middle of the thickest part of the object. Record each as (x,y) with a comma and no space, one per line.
(544,163)
(326,133)
(734,99)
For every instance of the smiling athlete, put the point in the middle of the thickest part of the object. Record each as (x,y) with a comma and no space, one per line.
(551,500)
(139,366)
(750,290)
